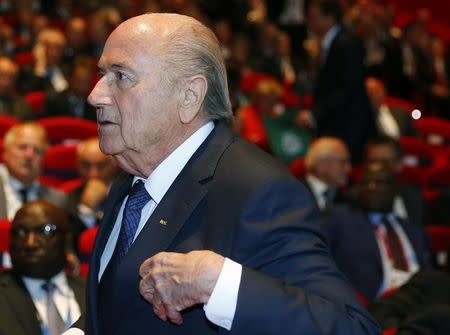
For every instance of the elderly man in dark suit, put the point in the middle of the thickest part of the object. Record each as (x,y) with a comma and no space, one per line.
(24,150)
(340,104)
(206,223)
(37,297)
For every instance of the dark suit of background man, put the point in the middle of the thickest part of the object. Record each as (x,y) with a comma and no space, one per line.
(340,104)
(376,249)
(206,195)
(39,238)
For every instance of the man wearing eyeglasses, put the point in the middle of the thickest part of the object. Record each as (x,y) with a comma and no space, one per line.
(37,297)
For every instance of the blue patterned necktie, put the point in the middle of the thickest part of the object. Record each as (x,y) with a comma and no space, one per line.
(137,199)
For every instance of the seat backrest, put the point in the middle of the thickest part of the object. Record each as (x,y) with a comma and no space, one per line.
(66,129)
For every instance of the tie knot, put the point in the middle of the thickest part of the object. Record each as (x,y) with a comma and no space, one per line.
(49,287)
(138,195)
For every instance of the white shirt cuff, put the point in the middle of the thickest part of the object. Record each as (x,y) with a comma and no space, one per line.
(221,305)
(73,331)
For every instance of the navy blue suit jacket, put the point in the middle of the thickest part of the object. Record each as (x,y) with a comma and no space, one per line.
(233,199)
(352,241)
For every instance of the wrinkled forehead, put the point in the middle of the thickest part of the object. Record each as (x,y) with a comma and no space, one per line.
(131,45)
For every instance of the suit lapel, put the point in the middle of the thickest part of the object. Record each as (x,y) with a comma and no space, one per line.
(184,195)
(21,303)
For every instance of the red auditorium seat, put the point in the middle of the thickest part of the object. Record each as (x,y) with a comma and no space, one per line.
(36,101)
(70,185)
(434,130)
(24,59)
(440,238)
(421,159)
(5,227)
(68,128)
(7,122)
(297,167)
(390,331)
(85,247)
(395,102)
(59,165)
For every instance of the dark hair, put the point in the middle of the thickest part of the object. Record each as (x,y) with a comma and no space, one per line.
(327,8)
(387,141)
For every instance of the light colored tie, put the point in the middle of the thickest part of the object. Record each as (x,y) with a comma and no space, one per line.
(55,323)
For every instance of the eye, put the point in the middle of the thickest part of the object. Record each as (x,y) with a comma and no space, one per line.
(121,76)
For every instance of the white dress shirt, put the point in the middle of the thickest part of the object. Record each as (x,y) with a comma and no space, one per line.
(63,296)
(387,123)
(221,306)
(326,42)
(318,188)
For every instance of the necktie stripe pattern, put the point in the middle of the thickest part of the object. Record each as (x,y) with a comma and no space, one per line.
(137,199)
(395,246)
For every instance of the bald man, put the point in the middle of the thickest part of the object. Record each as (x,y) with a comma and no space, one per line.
(328,166)
(208,232)
(97,171)
(10,103)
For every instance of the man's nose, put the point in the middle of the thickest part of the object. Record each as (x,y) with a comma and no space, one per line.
(31,239)
(99,95)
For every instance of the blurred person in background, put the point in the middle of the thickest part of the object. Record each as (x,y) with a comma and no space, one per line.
(23,154)
(409,203)
(37,296)
(97,172)
(373,247)
(11,104)
(48,72)
(73,100)
(340,104)
(328,166)
(392,122)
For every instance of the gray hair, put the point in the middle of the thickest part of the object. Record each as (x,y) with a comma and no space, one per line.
(193,49)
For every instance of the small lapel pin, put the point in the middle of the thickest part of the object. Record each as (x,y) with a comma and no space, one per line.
(163,222)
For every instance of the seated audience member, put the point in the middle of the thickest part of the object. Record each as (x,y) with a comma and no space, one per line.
(97,171)
(10,103)
(77,41)
(376,249)
(328,166)
(72,101)
(37,297)
(390,121)
(47,73)
(24,150)
(420,307)
(264,99)
(409,202)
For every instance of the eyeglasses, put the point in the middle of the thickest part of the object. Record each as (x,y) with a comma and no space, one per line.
(42,232)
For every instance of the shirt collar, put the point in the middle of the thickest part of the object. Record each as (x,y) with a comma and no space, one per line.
(60,281)
(15,183)
(317,185)
(376,218)
(166,172)
(329,37)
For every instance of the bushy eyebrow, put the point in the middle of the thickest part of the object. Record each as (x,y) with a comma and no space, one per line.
(116,66)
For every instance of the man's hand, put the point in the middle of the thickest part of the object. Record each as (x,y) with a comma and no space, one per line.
(94,193)
(172,282)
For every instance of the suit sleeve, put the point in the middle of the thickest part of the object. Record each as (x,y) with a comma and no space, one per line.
(289,283)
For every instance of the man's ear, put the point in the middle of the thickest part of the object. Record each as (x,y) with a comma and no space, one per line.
(192,97)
